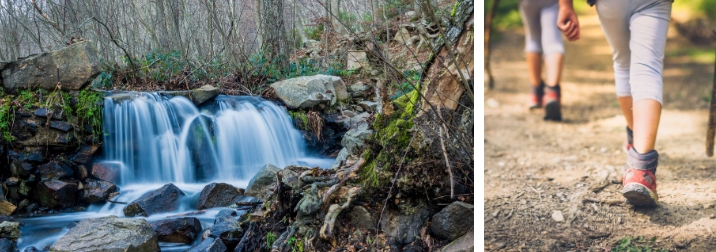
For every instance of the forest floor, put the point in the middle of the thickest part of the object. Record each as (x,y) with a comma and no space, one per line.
(535,170)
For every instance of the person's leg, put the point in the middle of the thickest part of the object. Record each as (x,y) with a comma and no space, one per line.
(614,17)
(529,11)
(649,26)
(553,48)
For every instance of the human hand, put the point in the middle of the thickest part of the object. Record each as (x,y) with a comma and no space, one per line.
(567,22)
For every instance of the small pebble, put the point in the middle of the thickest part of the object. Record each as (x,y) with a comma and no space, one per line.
(713,216)
(557,216)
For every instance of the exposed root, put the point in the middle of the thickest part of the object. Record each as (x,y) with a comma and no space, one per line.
(326,232)
(349,173)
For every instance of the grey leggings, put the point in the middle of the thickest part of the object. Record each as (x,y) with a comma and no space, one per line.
(540,21)
(636,31)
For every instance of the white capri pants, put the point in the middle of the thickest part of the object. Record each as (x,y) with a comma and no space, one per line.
(540,21)
(636,31)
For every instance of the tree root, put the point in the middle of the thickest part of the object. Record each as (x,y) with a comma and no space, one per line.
(326,232)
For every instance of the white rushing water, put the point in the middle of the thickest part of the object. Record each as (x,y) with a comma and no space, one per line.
(157,140)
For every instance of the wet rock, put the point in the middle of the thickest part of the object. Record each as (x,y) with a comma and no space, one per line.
(261,182)
(465,243)
(359,89)
(219,195)
(24,189)
(97,191)
(309,91)
(228,229)
(82,172)
(9,229)
(209,245)
(164,199)
(21,169)
(453,221)
(360,218)
(85,154)
(27,155)
(354,138)
(197,96)
(8,245)
(107,171)
(356,60)
(109,234)
(31,249)
(180,230)
(404,226)
(77,65)
(60,125)
(56,193)
(55,170)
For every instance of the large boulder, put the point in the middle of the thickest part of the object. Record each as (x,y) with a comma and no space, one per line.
(76,64)
(261,182)
(164,199)
(197,96)
(180,230)
(107,171)
(453,221)
(109,234)
(354,138)
(55,170)
(57,193)
(97,191)
(309,91)
(209,245)
(219,195)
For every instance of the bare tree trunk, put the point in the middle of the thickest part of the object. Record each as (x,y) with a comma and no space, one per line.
(274,32)
(257,19)
(336,10)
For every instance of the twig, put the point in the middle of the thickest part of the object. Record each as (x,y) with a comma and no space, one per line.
(538,193)
(447,163)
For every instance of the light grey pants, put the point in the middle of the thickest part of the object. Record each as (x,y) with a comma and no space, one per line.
(636,31)
(540,21)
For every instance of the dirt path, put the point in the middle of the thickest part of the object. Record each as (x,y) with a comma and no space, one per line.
(534,169)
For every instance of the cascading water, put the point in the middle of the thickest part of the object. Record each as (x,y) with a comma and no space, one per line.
(158,140)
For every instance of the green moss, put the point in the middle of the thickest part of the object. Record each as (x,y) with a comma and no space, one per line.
(7,115)
(89,111)
(300,119)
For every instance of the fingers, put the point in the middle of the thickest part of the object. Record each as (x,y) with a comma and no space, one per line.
(570,28)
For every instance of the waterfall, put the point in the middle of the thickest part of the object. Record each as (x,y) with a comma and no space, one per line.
(161,140)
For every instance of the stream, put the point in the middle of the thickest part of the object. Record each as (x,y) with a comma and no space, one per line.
(158,140)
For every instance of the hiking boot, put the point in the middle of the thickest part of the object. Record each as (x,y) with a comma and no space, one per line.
(552,97)
(639,178)
(630,140)
(536,96)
